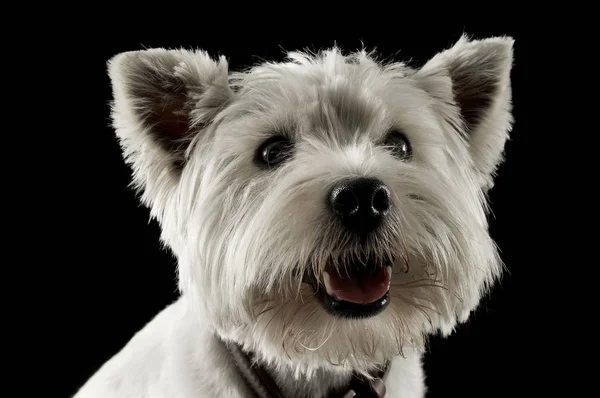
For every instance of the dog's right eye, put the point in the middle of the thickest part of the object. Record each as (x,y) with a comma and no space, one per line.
(274,151)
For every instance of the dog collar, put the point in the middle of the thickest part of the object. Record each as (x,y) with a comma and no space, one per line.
(262,385)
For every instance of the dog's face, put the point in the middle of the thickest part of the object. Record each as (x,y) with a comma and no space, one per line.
(327,210)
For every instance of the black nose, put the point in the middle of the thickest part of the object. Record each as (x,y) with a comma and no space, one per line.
(360,203)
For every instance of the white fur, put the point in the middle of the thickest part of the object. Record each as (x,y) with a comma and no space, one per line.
(243,234)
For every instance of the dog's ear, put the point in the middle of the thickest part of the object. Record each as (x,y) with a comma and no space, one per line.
(162,99)
(474,76)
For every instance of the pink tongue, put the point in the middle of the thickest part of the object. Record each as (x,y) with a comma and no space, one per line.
(361,288)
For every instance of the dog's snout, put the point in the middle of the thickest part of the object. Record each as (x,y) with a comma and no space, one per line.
(360,203)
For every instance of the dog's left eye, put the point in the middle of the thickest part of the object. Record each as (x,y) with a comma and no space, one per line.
(399,145)
(274,151)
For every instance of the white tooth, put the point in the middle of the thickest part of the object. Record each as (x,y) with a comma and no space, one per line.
(389,271)
(327,284)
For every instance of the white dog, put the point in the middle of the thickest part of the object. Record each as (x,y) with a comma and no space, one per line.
(327,213)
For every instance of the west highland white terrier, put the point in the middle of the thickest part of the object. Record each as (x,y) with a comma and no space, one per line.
(328,213)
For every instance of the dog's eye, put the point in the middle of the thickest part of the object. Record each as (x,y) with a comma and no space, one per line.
(398,144)
(274,151)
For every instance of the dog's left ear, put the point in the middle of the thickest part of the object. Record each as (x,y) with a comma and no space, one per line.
(474,76)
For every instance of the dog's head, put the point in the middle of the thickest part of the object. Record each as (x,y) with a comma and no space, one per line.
(329,210)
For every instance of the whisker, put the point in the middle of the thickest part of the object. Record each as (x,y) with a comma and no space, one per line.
(320,345)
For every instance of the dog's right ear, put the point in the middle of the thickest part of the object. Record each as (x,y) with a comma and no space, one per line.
(162,99)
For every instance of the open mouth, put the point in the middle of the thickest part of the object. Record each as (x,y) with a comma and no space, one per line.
(356,291)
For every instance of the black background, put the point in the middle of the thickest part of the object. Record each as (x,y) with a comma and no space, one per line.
(120,278)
